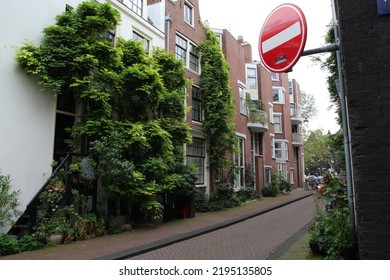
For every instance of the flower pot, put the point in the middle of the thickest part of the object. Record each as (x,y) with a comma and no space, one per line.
(56,238)
(317,248)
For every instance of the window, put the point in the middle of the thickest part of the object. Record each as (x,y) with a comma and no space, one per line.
(196,155)
(197,109)
(188,14)
(267,175)
(256,141)
(188,53)
(239,161)
(290,87)
(273,145)
(251,76)
(110,36)
(282,169)
(134,5)
(243,108)
(181,49)
(274,76)
(194,58)
(142,39)
(278,95)
(219,37)
(281,149)
(278,126)
(291,175)
(271,113)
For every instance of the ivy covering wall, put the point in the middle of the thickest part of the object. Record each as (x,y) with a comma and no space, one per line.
(218,124)
(133,111)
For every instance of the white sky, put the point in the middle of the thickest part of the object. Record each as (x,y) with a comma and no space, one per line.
(246,18)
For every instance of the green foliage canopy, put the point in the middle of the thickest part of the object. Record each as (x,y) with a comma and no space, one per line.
(133,109)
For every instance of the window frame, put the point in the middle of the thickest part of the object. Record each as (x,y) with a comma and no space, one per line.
(267,174)
(189,13)
(283,149)
(137,6)
(184,50)
(272,146)
(278,122)
(197,99)
(271,112)
(280,93)
(243,105)
(239,160)
(251,78)
(198,158)
(143,39)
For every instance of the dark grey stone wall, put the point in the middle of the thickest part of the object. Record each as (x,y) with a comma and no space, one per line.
(366,56)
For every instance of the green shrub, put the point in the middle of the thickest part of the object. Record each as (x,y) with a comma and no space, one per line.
(8,245)
(246,194)
(29,243)
(224,197)
(333,229)
(8,202)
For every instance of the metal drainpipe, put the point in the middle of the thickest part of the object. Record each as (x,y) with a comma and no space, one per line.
(347,147)
(168,19)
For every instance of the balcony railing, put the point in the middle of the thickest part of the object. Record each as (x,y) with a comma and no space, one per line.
(258,120)
(296,117)
(297,139)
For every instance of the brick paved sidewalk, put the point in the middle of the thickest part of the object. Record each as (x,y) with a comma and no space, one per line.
(130,243)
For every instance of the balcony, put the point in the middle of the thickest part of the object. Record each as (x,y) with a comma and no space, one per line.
(296,117)
(297,139)
(258,121)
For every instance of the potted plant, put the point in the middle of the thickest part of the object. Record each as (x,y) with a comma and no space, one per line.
(315,235)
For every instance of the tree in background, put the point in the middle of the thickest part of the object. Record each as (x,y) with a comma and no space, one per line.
(336,140)
(308,103)
(317,152)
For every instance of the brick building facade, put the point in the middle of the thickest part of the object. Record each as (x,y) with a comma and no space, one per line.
(365,37)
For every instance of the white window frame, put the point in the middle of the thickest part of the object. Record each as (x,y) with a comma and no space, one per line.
(251,78)
(281,95)
(143,39)
(281,168)
(278,122)
(137,6)
(267,169)
(282,147)
(271,113)
(274,76)
(189,13)
(255,142)
(186,48)
(239,160)
(243,105)
(272,146)
(291,175)
(219,37)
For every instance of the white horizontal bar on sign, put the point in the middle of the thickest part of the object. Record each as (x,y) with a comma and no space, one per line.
(282,37)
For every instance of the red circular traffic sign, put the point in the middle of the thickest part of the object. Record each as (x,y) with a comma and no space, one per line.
(283,38)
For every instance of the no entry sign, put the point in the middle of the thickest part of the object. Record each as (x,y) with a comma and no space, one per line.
(283,38)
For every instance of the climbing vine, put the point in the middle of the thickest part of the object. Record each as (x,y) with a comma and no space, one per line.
(133,110)
(218,124)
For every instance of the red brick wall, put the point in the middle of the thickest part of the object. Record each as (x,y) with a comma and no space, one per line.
(194,34)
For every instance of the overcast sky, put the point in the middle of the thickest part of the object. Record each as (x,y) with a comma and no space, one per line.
(246,18)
